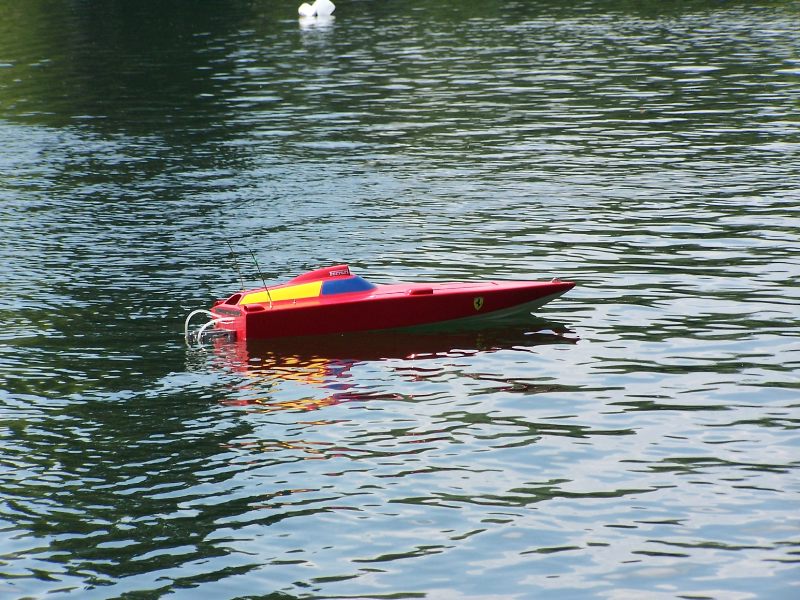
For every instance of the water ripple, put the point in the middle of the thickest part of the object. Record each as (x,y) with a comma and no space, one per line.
(642,443)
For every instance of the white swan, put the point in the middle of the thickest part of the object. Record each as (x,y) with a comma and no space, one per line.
(320,8)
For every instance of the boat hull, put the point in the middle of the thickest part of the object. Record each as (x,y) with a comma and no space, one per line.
(396,306)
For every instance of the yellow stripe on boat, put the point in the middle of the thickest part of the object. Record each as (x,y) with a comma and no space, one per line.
(292,292)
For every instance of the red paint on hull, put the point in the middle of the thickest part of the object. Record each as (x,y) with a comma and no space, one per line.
(382,307)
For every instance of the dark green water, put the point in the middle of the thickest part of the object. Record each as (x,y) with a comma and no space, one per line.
(649,151)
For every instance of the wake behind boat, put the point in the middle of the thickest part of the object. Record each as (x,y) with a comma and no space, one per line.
(333,300)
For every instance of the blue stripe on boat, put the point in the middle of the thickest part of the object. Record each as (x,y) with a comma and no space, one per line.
(344,286)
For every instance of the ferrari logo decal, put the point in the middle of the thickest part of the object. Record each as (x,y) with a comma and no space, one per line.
(478,302)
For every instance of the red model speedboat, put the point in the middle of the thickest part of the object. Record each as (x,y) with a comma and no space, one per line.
(333,300)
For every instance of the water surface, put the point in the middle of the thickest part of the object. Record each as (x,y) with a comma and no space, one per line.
(637,438)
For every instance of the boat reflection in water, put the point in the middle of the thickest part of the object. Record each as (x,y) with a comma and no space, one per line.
(274,369)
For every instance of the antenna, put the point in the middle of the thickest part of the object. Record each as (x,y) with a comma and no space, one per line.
(266,289)
(235,263)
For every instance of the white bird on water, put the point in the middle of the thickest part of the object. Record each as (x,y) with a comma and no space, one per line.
(320,8)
